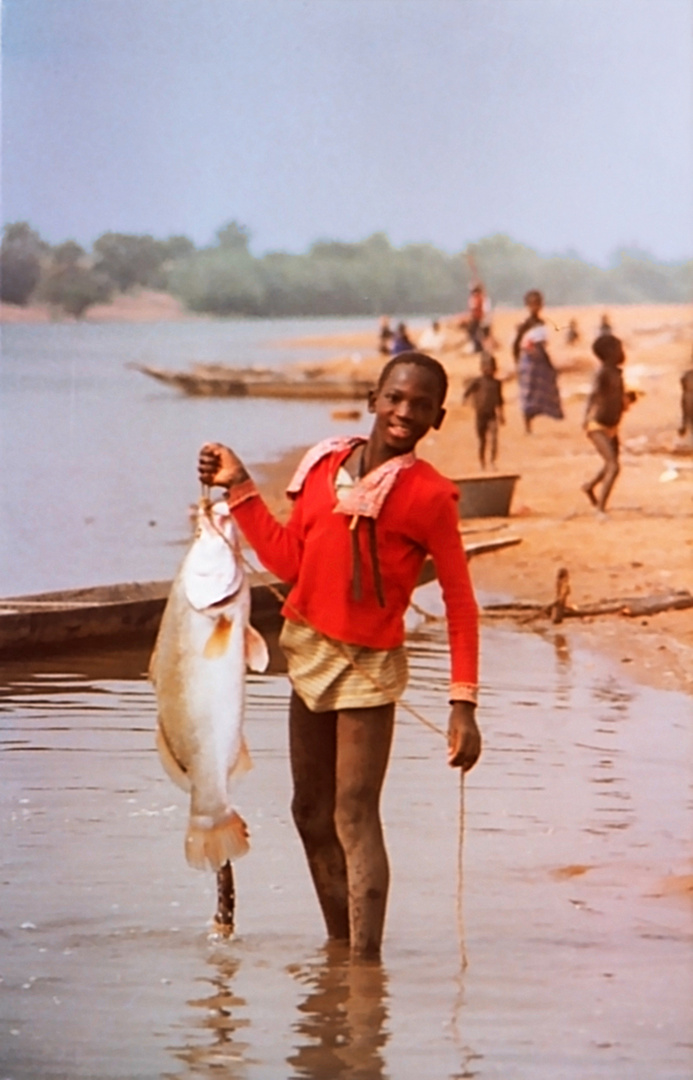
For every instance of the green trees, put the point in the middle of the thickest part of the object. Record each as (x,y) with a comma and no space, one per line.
(129,260)
(69,281)
(221,280)
(20,263)
(333,277)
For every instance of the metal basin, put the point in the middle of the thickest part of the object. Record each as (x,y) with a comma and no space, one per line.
(486,496)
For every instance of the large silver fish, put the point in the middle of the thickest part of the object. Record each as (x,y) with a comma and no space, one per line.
(198,669)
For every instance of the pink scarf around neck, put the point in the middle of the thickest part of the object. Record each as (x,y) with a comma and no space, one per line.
(367,496)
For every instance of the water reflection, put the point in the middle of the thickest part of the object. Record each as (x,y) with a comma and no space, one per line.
(342,1026)
(573,819)
(212,1039)
(564,670)
(613,802)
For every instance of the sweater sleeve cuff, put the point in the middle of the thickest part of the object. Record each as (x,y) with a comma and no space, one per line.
(461,691)
(239,493)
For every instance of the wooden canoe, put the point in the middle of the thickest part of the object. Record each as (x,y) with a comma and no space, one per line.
(217,381)
(113,616)
(126,615)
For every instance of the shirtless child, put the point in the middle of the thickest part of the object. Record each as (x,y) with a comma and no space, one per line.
(607,401)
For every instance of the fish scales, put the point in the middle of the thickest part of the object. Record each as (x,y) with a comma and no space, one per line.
(198,668)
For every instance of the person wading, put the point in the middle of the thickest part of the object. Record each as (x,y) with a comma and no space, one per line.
(366,512)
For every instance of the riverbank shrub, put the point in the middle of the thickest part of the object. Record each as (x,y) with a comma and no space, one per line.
(332,278)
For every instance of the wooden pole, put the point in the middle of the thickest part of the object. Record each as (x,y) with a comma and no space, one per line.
(226,899)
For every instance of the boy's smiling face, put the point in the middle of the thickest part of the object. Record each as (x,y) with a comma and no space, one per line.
(406,407)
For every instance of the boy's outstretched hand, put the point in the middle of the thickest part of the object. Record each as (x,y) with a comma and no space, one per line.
(217,466)
(464,737)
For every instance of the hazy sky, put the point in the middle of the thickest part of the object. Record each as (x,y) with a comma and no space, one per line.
(566,124)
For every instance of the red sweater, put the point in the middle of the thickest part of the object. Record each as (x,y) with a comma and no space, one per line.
(313,553)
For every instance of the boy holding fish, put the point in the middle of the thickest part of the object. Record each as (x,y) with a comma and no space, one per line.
(366,512)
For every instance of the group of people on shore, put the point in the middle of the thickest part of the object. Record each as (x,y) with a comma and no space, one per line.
(537,378)
(539,394)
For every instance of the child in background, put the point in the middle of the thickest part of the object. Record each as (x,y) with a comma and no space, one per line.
(606,404)
(486,393)
(401,342)
(687,404)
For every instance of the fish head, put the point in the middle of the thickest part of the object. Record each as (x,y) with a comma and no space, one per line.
(212,570)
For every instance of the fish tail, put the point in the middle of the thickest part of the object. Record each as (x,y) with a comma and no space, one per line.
(213,843)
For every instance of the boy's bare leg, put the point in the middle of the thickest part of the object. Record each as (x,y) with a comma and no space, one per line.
(313,752)
(364,738)
(493,437)
(607,447)
(481,440)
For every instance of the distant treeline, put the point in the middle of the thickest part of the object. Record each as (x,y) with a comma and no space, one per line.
(370,277)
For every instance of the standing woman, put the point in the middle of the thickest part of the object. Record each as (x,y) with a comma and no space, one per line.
(366,512)
(536,375)
(534,302)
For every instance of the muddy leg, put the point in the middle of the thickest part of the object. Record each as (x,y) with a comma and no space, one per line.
(589,487)
(481,439)
(607,446)
(493,437)
(226,898)
(312,747)
(364,738)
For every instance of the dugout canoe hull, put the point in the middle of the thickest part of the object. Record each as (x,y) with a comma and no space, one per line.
(126,615)
(113,616)
(218,382)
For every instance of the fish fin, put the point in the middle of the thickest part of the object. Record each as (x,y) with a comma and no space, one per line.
(173,768)
(243,762)
(218,640)
(213,844)
(256,651)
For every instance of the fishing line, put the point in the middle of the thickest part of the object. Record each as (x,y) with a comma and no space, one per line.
(207,507)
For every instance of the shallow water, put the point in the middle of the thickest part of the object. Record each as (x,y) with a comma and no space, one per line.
(577,824)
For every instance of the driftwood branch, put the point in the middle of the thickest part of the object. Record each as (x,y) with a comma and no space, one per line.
(560,608)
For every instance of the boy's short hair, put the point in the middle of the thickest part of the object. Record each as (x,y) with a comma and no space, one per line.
(607,347)
(422,360)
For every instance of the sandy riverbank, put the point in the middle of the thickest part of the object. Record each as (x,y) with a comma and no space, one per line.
(144,306)
(646,545)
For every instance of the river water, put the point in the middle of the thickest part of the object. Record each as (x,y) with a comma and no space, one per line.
(571,908)
(576,831)
(98,461)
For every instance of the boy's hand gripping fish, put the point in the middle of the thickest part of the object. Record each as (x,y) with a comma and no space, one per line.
(198,669)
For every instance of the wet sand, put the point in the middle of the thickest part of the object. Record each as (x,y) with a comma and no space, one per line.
(575,888)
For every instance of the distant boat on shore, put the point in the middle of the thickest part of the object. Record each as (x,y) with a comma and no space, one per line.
(217,380)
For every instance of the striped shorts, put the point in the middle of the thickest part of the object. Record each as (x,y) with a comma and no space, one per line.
(329,675)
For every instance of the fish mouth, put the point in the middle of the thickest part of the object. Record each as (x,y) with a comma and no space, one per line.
(223,602)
